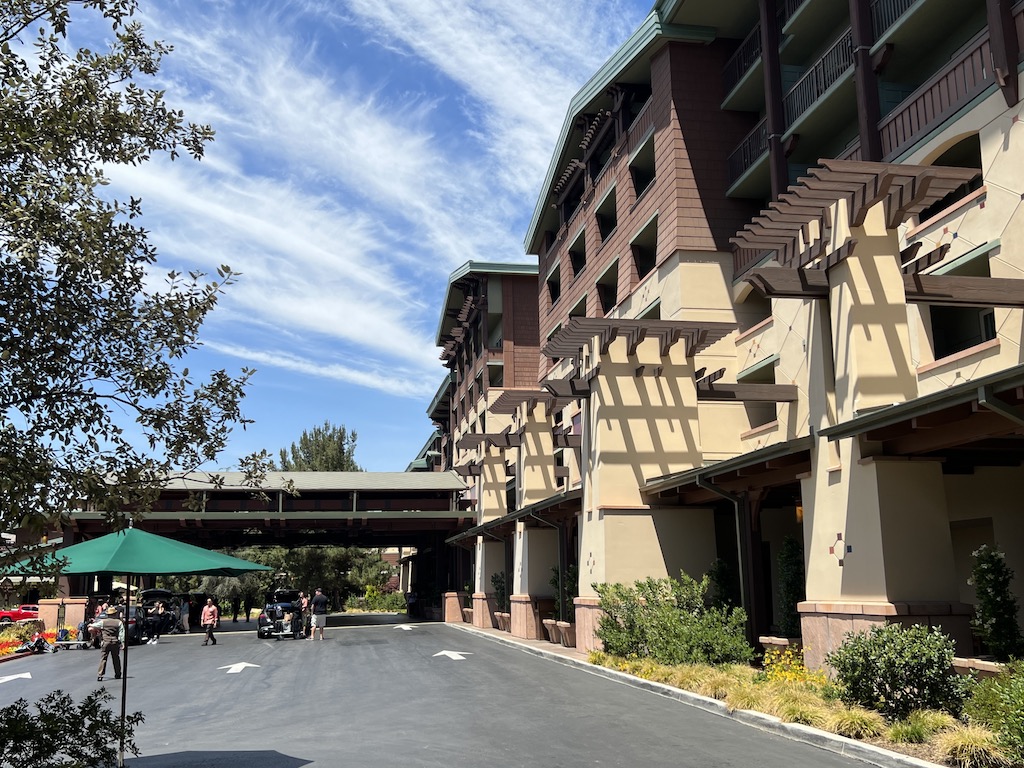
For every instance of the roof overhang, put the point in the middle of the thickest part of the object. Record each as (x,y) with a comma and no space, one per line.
(971,392)
(764,468)
(651,33)
(454,296)
(554,507)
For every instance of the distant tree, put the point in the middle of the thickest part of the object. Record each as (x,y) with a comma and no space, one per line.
(322,449)
(95,405)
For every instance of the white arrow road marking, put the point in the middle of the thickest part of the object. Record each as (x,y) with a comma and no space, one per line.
(26,675)
(455,655)
(234,669)
(403,627)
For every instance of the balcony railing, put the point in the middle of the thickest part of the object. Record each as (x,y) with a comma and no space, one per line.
(749,51)
(754,145)
(819,78)
(742,59)
(966,76)
(884,13)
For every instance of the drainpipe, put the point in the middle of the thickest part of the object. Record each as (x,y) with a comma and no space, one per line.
(741,551)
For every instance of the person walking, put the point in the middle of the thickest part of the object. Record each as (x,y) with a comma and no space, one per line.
(111,630)
(186,606)
(209,620)
(304,607)
(155,622)
(318,614)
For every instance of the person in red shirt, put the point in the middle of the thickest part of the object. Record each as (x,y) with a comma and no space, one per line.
(209,620)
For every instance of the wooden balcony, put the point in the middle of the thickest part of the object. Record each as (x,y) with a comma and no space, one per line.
(749,150)
(966,76)
(819,78)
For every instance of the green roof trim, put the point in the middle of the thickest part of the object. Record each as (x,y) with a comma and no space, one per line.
(576,494)
(442,391)
(760,365)
(690,476)
(965,258)
(650,32)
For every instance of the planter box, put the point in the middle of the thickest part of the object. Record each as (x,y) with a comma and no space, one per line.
(504,621)
(467,615)
(553,632)
(771,643)
(568,632)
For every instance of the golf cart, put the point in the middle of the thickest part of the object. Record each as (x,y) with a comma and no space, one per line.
(281,616)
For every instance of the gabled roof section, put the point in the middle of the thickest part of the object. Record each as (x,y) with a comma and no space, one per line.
(652,33)
(454,295)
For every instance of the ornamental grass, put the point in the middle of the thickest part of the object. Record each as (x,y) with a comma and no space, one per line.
(972,746)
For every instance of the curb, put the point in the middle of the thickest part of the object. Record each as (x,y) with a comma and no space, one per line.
(831,742)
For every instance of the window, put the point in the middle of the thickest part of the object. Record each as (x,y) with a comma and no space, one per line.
(495,374)
(572,198)
(641,167)
(645,248)
(578,253)
(964,154)
(555,330)
(955,329)
(607,218)
(554,283)
(608,288)
(602,153)
(580,310)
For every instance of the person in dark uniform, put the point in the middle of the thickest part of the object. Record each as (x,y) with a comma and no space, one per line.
(111,630)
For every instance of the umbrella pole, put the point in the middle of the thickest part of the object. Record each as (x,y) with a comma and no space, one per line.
(124,672)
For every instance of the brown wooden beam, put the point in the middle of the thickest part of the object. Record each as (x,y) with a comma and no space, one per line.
(789,283)
(964,291)
(749,393)
(1005,48)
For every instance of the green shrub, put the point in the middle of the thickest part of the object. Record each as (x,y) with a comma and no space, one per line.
(63,732)
(670,622)
(996,612)
(792,585)
(565,592)
(896,669)
(498,581)
(375,599)
(998,703)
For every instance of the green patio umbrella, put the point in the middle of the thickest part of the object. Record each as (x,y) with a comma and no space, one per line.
(132,552)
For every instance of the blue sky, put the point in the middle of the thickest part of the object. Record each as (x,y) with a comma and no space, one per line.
(364,150)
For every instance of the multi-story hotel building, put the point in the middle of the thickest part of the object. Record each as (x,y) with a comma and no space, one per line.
(778,294)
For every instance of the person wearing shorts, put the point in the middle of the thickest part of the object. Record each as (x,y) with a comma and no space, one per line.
(318,614)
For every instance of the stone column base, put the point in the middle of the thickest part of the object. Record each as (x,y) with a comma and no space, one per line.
(825,625)
(484,606)
(453,603)
(588,614)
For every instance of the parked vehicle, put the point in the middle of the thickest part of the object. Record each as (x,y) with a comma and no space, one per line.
(20,613)
(281,616)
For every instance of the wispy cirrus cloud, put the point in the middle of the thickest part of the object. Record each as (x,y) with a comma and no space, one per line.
(363,151)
